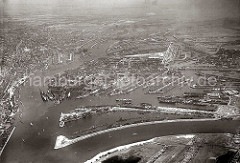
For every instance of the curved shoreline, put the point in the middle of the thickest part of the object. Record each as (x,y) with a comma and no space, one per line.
(116,149)
(124,147)
(63,141)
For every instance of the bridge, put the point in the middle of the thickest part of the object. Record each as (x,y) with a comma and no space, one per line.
(167,56)
(170,54)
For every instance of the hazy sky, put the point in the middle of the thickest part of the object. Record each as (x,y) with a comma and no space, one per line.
(198,8)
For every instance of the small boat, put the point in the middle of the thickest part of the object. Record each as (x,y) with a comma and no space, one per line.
(69,95)
(57,102)
(50,95)
(61,124)
(127,102)
(236,138)
(127,99)
(124,100)
(43,96)
(146,105)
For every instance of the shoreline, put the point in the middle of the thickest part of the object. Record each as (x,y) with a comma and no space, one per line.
(100,155)
(117,149)
(62,141)
(156,109)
